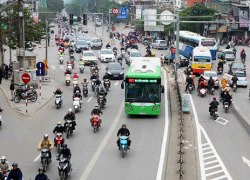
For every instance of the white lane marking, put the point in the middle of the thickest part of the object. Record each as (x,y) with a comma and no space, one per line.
(212,167)
(206,144)
(209,157)
(165,135)
(206,148)
(245,160)
(207,153)
(101,147)
(53,67)
(61,67)
(221,121)
(218,178)
(116,83)
(210,162)
(37,158)
(89,99)
(216,172)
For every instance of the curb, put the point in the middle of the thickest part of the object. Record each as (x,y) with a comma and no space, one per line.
(241,116)
(12,107)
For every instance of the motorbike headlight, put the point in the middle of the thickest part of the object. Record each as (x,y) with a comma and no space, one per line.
(75,107)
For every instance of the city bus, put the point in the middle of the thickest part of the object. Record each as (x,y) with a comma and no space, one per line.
(143,87)
(190,40)
(201,60)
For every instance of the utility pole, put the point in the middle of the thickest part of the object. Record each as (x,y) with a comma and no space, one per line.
(46,41)
(21,38)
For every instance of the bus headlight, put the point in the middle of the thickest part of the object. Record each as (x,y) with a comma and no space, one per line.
(155,107)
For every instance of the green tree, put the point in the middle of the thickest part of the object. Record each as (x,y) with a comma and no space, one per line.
(197,10)
(75,8)
(55,5)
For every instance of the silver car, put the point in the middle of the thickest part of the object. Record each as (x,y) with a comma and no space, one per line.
(160,44)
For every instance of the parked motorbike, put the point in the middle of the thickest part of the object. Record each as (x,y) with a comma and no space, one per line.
(64,168)
(69,128)
(59,141)
(20,94)
(123,140)
(214,113)
(95,122)
(67,79)
(76,104)
(85,90)
(106,83)
(100,101)
(45,160)
(226,106)
(58,101)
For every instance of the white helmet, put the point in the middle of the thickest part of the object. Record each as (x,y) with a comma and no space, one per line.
(70,110)
(3,159)
(46,136)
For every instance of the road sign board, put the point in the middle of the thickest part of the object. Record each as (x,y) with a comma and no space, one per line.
(40,72)
(123,13)
(40,66)
(25,78)
(115,11)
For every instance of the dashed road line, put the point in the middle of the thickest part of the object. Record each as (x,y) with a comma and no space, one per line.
(89,99)
(37,158)
(116,83)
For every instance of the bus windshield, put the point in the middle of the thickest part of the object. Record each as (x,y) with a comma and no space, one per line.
(207,43)
(202,59)
(143,92)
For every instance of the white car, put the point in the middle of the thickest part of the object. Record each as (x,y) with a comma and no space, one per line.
(213,74)
(88,57)
(106,55)
(229,54)
(132,55)
(242,78)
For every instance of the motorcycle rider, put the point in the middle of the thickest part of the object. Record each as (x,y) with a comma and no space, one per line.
(65,153)
(75,76)
(4,165)
(210,83)
(59,128)
(45,143)
(201,78)
(108,46)
(220,65)
(224,90)
(70,116)
(94,76)
(76,88)
(189,70)
(58,91)
(97,83)
(85,82)
(213,105)
(96,111)
(123,131)
(15,173)
(107,78)
(41,175)
(189,81)
(122,49)
(78,95)
(234,80)
(227,98)
(103,93)
(71,51)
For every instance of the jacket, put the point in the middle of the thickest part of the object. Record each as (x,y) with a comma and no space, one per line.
(70,116)
(41,177)
(123,132)
(214,104)
(15,174)
(59,129)
(45,144)
(5,166)
(96,112)
(65,153)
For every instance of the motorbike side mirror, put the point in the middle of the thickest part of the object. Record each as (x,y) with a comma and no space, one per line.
(162,89)
(122,85)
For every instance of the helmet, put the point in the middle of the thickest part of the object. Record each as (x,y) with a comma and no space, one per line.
(96,106)
(46,136)
(59,123)
(3,159)
(70,110)
(211,77)
(85,80)
(227,85)
(190,76)
(64,146)
(124,126)
(214,98)
(14,164)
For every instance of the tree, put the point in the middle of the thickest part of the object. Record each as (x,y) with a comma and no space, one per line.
(75,8)
(55,5)
(198,9)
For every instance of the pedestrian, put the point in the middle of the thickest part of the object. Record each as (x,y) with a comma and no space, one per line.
(12,88)
(6,70)
(1,75)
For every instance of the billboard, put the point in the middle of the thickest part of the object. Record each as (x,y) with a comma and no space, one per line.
(243,18)
(149,16)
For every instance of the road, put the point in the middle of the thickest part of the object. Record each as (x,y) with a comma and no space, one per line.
(93,155)
(227,135)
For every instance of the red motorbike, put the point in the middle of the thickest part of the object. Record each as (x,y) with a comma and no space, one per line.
(95,122)
(59,141)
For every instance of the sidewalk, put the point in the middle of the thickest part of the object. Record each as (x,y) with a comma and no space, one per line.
(47,94)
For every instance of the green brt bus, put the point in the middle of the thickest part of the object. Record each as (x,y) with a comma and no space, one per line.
(143,87)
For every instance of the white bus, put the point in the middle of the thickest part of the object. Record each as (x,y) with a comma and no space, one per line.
(201,60)
(190,40)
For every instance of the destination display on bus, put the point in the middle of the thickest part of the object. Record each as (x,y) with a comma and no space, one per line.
(133,80)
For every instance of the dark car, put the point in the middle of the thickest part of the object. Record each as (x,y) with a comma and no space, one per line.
(236,66)
(81,45)
(115,70)
(170,58)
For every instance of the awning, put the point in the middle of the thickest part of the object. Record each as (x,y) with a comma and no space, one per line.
(222,29)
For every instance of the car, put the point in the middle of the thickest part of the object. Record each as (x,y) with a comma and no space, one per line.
(213,74)
(88,57)
(236,66)
(115,70)
(170,58)
(81,45)
(88,41)
(159,44)
(106,55)
(96,43)
(229,54)
(132,55)
(242,78)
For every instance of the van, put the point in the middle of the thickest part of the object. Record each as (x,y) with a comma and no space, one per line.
(96,43)
(98,22)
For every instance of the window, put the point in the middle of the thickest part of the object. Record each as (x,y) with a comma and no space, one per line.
(207,43)
(201,59)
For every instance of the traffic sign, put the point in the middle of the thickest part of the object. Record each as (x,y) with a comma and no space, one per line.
(123,13)
(40,66)
(25,78)
(40,73)
(115,11)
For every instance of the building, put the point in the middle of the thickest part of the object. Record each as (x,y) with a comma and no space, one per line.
(190,3)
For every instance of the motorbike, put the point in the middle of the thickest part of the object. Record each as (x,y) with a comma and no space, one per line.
(76,104)
(226,106)
(115,52)
(59,141)
(67,79)
(93,84)
(211,90)
(243,58)
(219,70)
(106,84)
(70,67)
(64,168)
(214,113)
(72,56)
(203,92)
(58,101)
(81,68)
(190,88)
(1,110)
(123,53)
(85,90)
(20,94)
(95,122)
(45,160)
(70,62)
(234,87)
(3,175)
(100,101)
(123,141)
(97,88)
(61,59)
(69,128)
(75,82)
